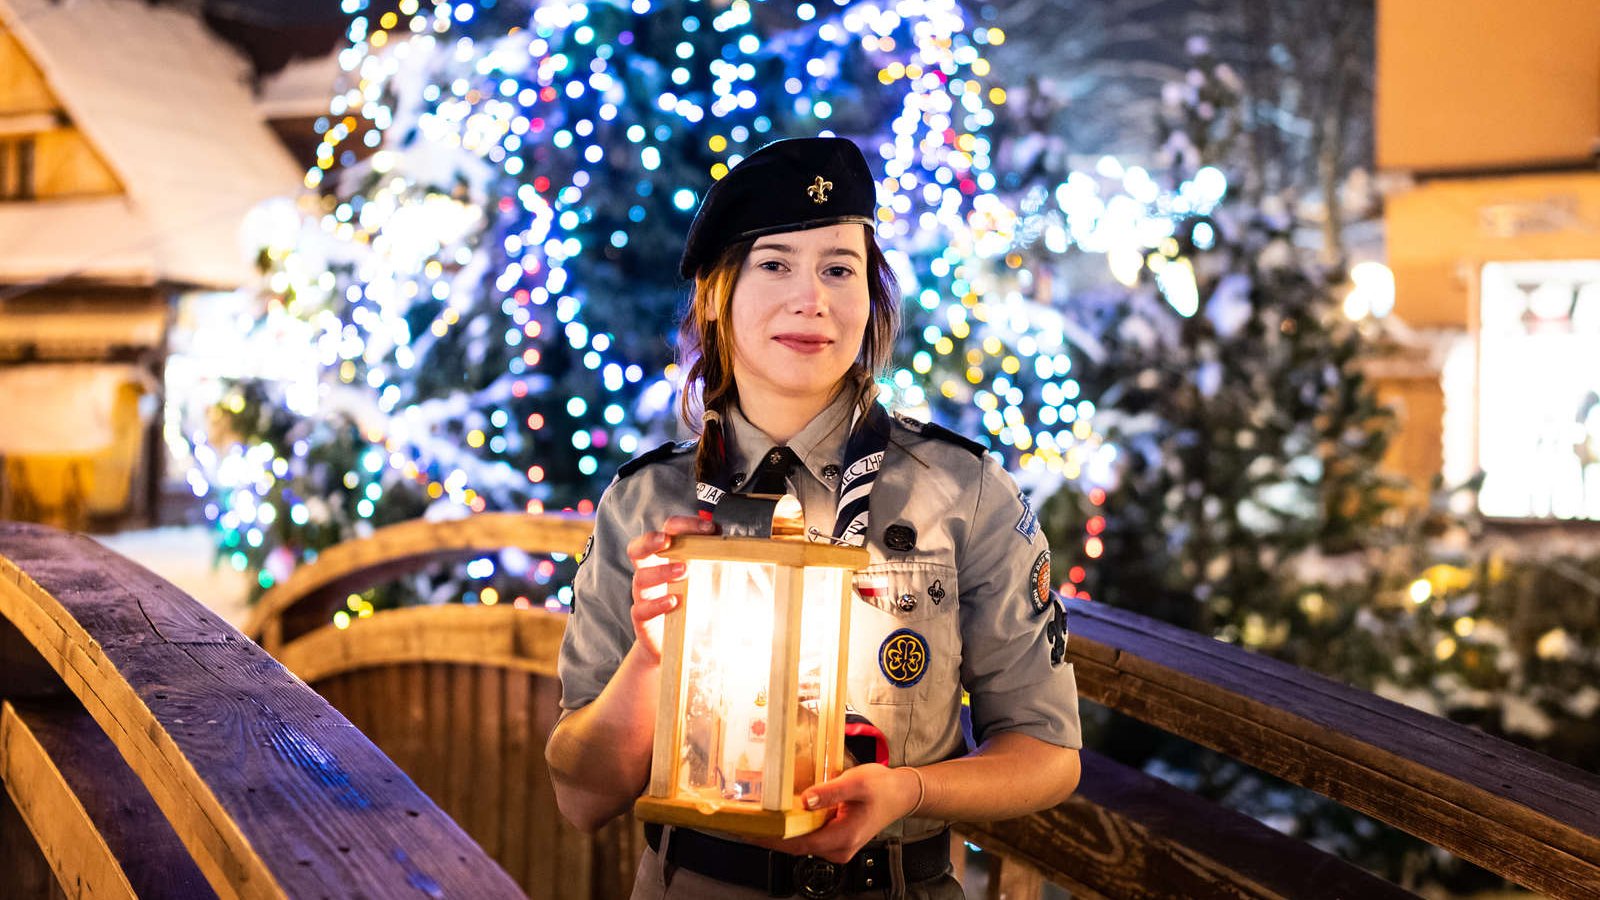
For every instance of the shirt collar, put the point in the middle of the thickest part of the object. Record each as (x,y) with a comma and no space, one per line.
(820,444)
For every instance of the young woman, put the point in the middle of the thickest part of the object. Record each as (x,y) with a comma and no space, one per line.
(793,311)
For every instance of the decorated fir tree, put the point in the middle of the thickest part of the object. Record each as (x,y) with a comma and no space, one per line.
(484,269)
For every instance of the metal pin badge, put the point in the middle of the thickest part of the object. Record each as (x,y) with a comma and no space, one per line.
(901,538)
(830,471)
(906,602)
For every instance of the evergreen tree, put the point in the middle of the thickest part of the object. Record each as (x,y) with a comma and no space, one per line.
(1244,429)
(487,268)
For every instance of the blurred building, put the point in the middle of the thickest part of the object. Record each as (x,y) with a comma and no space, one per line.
(131,151)
(1488,135)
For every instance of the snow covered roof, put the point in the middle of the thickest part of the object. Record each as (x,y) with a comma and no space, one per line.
(300,89)
(168,107)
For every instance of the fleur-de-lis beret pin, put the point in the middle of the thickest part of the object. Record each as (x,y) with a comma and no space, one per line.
(819,190)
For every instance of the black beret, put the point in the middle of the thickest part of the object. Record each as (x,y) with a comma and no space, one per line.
(785,186)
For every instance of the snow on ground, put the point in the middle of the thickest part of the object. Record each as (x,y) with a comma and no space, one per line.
(185,556)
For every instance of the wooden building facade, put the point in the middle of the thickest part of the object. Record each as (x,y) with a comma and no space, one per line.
(130,154)
(1488,137)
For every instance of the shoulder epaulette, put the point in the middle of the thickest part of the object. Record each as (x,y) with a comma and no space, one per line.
(940,433)
(665,451)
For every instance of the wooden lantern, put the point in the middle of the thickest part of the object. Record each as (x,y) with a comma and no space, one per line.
(752,683)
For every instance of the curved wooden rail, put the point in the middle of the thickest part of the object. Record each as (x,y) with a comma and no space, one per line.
(1124,834)
(1522,815)
(1517,813)
(306,600)
(498,637)
(226,760)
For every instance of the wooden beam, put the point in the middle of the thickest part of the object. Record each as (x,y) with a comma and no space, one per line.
(95,824)
(306,599)
(1130,835)
(1508,809)
(271,790)
(500,636)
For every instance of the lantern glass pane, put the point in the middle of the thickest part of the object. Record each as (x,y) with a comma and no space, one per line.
(819,672)
(728,652)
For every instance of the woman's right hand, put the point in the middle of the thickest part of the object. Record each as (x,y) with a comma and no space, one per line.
(658,583)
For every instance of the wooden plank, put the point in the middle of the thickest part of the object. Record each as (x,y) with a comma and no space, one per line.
(270,789)
(95,823)
(488,770)
(524,757)
(1522,815)
(463,734)
(571,865)
(1011,878)
(308,597)
(1130,835)
(411,711)
(24,872)
(435,760)
(500,636)
(958,856)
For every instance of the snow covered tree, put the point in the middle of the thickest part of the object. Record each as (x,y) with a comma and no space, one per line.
(1229,384)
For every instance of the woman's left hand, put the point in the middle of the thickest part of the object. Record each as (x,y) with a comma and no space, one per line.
(864,798)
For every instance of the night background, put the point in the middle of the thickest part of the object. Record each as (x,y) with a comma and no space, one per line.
(1283,314)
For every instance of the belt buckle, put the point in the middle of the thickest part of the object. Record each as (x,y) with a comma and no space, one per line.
(817,878)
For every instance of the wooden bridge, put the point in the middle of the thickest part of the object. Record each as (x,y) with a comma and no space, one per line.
(147,749)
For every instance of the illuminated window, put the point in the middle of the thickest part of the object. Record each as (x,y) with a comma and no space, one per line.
(1538,409)
(16,168)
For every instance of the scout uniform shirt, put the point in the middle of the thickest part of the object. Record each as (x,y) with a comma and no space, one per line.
(967,572)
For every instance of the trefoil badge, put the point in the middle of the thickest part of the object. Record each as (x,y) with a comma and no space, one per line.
(819,190)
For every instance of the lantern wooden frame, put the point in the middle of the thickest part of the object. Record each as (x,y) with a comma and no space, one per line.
(778,813)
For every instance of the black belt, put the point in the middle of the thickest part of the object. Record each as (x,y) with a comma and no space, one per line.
(783,875)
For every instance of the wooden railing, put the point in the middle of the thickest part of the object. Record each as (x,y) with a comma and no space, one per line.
(455,694)
(148,749)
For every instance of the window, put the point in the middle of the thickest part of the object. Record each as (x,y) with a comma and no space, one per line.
(16,168)
(1538,390)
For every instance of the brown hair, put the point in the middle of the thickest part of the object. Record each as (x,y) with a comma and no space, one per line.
(705,351)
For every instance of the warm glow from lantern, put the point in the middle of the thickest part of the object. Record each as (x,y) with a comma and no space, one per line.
(752,700)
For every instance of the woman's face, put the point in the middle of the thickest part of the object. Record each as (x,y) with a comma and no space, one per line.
(799,312)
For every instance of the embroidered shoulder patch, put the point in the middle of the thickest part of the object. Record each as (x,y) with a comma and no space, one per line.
(1055,631)
(903,657)
(1029,523)
(1039,580)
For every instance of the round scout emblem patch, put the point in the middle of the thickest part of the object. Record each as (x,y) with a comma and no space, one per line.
(1040,578)
(903,657)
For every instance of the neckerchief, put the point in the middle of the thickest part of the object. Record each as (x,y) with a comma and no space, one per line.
(869,437)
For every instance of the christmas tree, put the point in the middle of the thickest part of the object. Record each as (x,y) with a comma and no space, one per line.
(484,269)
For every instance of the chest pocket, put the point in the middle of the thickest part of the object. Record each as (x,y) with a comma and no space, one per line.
(905,641)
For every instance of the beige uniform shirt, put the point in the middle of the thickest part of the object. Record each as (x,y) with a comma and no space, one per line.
(967,571)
